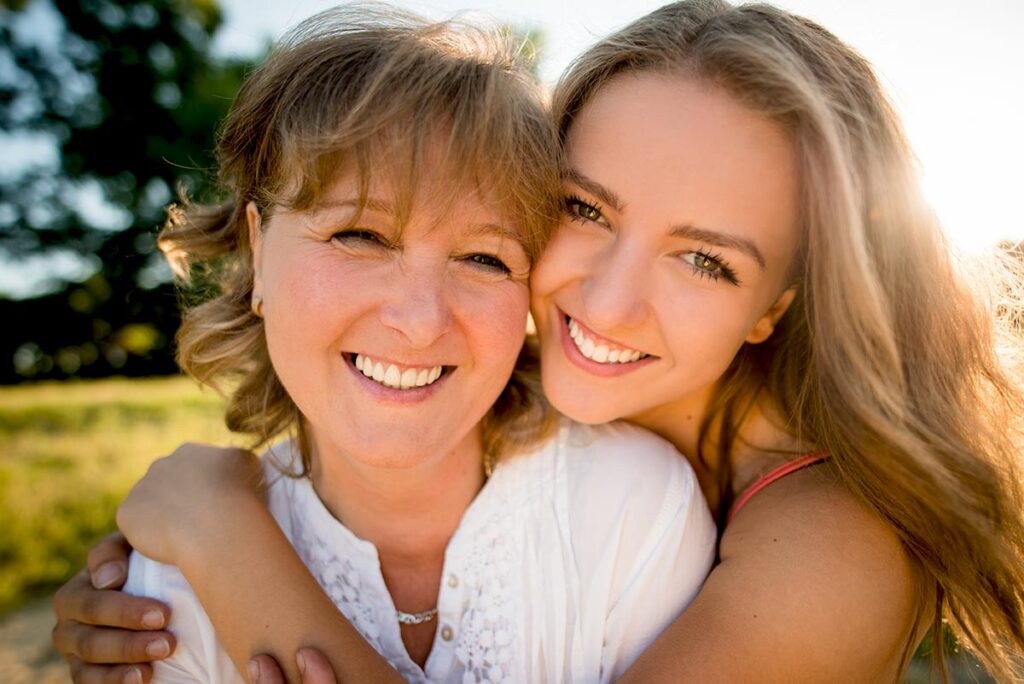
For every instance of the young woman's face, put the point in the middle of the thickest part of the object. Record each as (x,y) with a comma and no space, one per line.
(681,228)
(393,344)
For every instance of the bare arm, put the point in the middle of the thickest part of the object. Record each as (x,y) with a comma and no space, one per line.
(811,588)
(257,592)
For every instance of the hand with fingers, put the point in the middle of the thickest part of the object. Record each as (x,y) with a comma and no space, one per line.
(105,635)
(109,637)
(312,664)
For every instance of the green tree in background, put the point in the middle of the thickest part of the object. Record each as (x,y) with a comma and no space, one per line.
(130,95)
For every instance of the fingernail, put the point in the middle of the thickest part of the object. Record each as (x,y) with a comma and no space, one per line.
(153,619)
(133,676)
(254,671)
(300,660)
(158,648)
(107,575)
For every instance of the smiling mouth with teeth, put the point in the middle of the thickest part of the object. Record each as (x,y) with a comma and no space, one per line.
(599,351)
(390,375)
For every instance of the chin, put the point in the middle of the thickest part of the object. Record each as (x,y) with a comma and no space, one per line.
(378,449)
(580,406)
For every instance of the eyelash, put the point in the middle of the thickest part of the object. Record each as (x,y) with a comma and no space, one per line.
(487,261)
(573,203)
(483,261)
(367,236)
(723,270)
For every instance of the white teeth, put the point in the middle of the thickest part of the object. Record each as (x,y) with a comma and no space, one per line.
(601,353)
(392,376)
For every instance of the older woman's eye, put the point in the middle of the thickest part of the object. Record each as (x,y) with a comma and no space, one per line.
(710,266)
(579,210)
(360,238)
(488,262)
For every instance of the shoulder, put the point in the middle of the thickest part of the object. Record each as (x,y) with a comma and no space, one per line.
(627,477)
(626,461)
(147,577)
(633,500)
(815,582)
(642,536)
(285,490)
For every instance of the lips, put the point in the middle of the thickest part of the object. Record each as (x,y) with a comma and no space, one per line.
(575,345)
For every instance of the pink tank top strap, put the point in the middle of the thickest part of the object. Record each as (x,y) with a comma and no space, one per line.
(782,471)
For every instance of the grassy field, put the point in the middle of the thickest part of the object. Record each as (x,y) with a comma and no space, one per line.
(69,452)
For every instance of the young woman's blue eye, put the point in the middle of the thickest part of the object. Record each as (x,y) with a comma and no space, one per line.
(710,266)
(578,210)
(488,262)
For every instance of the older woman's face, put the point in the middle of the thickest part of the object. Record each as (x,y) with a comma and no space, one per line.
(680,232)
(393,343)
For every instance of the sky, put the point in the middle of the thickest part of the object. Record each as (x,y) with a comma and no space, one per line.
(953,69)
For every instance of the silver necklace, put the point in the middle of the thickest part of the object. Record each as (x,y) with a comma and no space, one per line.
(415,618)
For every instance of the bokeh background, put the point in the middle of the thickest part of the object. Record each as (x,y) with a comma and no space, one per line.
(108,109)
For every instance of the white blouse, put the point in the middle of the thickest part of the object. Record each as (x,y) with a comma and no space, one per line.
(568,563)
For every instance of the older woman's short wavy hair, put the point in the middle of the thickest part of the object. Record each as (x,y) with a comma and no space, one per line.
(363,89)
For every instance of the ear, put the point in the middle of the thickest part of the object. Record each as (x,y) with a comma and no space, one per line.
(255,222)
(764,327)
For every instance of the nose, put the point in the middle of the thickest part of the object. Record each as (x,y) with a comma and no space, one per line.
(613,292)
(416,305)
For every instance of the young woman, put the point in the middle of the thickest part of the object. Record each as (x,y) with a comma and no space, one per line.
(390,184)
(747,268)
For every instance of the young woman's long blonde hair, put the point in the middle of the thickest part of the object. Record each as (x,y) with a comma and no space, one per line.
(887,359)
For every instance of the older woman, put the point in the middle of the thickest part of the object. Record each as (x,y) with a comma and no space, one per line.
(747,268)
(391,183)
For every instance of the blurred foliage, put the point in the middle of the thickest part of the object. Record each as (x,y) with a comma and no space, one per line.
(531,45)
(130,94)
(69,453)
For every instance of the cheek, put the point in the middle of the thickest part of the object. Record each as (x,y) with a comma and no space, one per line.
(308,305)
(494,321)
(311,292)
(562,261)
(706,328)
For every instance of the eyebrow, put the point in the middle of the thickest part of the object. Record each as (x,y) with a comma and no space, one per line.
(723,240)
(371,204)
(593,187)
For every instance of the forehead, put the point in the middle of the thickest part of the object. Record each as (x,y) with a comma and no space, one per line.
(429,203)
(676,150)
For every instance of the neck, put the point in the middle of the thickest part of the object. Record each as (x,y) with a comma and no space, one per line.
(408,513)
